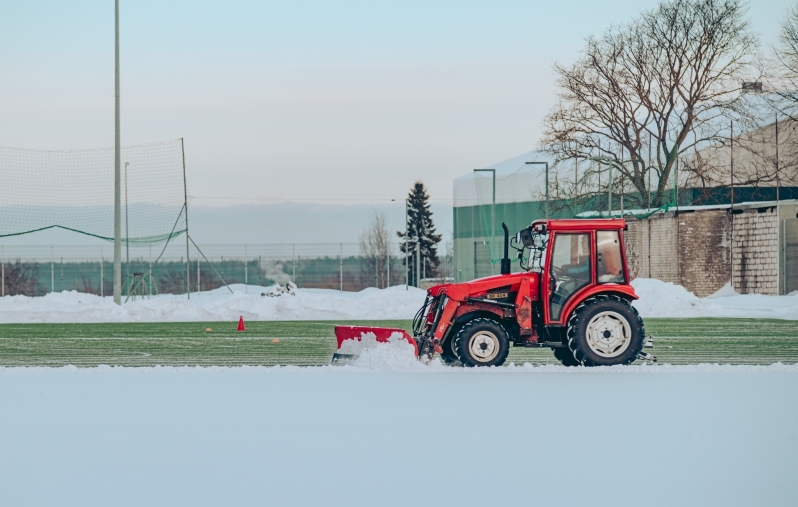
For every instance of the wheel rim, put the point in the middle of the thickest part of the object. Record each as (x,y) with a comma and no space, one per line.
(609,334)
(484,346)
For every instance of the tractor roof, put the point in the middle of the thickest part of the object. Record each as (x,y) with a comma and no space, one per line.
(582,225)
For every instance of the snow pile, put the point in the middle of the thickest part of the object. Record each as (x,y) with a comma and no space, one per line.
(657,299)
(218,304)
(397,354)
(665,299)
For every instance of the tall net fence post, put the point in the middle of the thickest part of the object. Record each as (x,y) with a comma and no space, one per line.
(185,208)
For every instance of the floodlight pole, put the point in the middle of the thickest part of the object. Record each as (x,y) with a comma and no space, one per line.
(547,183)
(127,229)
(185,208)
(117,164)
(492,211)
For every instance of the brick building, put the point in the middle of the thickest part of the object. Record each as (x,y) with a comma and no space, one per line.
(755,245)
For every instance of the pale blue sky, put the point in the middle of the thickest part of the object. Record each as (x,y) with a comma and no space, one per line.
(301,100)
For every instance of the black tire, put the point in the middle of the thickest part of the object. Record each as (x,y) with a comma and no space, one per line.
(449,356)
(565,356)
(485,335)
(605,330)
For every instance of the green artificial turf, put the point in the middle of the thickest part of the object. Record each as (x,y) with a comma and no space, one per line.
(677,341)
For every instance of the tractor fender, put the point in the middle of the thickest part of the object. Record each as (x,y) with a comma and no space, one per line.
(624,291)
(466,313)
(473,309)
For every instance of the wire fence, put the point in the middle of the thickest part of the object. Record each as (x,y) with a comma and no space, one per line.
(38,270)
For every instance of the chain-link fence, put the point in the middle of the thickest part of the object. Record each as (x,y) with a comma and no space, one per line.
(37,270)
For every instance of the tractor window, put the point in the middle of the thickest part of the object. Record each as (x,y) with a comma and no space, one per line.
(608,257)
(570,269)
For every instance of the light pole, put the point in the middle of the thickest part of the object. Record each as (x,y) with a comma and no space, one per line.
(547,182)
(117,163)
(492,211)
(127,231)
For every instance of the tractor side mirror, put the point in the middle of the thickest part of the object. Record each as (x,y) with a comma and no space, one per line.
(525,237)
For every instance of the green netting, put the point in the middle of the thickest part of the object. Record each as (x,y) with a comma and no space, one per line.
(576,190)
(74,190)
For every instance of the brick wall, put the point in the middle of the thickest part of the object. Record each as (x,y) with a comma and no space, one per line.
(691,249)
(755,253)
(651,247)
(703,243)
(664,257)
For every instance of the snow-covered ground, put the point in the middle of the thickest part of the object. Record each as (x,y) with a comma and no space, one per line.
(657,299)
(349,436)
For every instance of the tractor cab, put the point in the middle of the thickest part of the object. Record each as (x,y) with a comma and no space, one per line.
(575,259)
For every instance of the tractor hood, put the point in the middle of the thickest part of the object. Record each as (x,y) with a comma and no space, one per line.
(482,287)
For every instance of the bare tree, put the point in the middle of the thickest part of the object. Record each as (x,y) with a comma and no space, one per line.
(668,79)
(22,278)
(375,248)
(784,79)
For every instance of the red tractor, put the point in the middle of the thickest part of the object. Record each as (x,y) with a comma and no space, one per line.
(573,296)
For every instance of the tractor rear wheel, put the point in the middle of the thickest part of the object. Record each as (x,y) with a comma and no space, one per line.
(482,342)
(565,356)
(605,330)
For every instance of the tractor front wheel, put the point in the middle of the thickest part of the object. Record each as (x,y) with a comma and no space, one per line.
(605,331)
(449,355)
(482,342)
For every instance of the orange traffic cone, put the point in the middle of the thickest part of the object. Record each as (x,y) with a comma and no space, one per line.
(241,326)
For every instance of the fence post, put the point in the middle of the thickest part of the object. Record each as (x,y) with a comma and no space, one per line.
(52,268)
(3,272)
(387,269)
(102,275)
(198,274)
(246,279)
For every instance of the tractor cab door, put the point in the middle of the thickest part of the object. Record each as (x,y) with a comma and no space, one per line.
(567,271)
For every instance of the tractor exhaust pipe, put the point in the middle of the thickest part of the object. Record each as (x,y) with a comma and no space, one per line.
(506,258)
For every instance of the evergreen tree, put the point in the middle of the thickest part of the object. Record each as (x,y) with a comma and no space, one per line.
(419,225)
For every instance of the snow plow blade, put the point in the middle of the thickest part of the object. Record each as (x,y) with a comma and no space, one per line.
(348,352)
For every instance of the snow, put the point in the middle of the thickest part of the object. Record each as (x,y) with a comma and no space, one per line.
(657,299)
(350,436)
(219,304)
(665,299)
